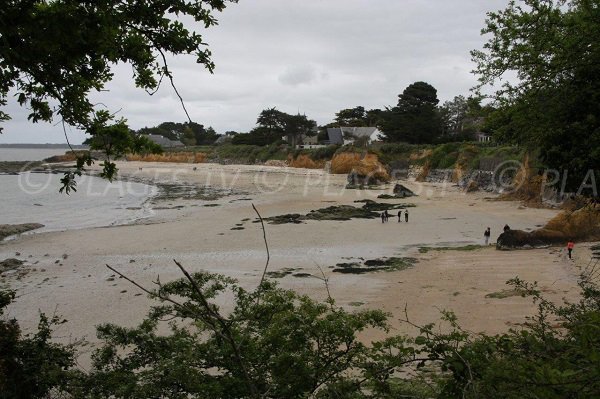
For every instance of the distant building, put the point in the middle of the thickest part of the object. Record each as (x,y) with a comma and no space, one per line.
(347,135)
(164,142)
(483,137)
(310,140)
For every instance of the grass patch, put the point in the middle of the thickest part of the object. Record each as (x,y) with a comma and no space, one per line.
(471,247)
(506,294)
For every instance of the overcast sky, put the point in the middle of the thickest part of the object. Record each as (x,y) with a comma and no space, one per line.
(308,56)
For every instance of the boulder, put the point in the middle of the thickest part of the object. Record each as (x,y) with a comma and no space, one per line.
(515,239)
(401,191)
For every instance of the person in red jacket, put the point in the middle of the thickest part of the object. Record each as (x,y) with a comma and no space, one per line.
(570,246)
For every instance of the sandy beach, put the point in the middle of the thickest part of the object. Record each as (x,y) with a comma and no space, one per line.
(215,232)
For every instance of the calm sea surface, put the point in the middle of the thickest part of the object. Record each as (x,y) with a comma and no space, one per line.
(34,197)
(29,154)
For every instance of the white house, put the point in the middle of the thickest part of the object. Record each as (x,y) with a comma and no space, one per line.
(347,135)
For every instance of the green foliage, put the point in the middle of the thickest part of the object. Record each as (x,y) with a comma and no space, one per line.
(539,361)
(57,52)
(114,141)
(143,145)
(63,50)
(189,133)
(444,156)
(415,119)
(318,153)
(259,136)
(356,117)
(250,153)
(31,366)
(273,344)
(554,106)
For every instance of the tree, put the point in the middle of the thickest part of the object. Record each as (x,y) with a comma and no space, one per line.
(297,126)
(62,50)
(272,120)
(415,118)
(208,138)
(273,124)
(356,117)
(553,105)
(258,136)
(453,114)
(54,53)
(188,138)
(273,344)
(351,117)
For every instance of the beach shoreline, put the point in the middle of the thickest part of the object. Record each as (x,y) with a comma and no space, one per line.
(67,272)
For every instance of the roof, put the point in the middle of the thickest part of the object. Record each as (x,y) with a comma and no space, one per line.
(336,134)
(163,141)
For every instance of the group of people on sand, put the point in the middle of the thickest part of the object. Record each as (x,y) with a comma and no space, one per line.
(385,216)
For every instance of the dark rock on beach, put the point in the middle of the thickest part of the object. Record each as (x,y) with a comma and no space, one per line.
(10,264)
(516,239)
(12,229)
(402,191)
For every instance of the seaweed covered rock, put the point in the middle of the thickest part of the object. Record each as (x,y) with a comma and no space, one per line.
(515,239)
(12,229)
(10,264)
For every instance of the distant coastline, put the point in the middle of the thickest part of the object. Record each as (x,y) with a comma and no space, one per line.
(47,145)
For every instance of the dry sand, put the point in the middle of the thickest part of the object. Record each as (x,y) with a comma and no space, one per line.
(84,291)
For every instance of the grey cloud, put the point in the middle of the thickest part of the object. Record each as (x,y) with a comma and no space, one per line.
(314,56)
(298,74)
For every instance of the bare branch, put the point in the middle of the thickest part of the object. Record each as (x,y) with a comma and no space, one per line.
(168,73)
(262,223)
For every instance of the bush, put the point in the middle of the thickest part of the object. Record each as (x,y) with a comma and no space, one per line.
(31,366)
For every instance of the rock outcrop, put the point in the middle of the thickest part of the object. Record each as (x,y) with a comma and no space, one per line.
(401,191)
(12,229)
(517,239)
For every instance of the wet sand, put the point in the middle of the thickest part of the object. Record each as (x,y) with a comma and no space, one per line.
(84,291)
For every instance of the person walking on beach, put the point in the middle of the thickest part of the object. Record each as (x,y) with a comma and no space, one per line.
(406,215)
(387,215)
(570,246)
(399,216)
(382,217)
(487,235)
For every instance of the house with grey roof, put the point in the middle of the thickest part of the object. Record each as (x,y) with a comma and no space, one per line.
(164,142)
(347,135)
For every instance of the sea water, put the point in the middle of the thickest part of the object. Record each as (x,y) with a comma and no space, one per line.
(29,154)
(32,197)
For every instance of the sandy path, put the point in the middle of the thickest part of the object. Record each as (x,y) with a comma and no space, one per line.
(84,291)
